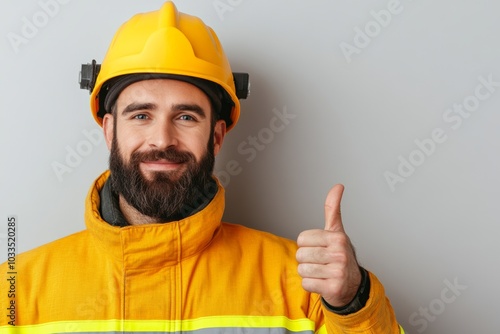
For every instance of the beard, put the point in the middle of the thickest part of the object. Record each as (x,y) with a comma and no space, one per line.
(166,196)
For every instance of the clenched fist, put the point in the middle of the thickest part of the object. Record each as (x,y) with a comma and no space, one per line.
(327,263)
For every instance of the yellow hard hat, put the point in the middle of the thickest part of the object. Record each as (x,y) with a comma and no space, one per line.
(166,42)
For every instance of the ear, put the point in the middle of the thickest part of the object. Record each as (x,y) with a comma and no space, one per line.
(107,126)
(219,134)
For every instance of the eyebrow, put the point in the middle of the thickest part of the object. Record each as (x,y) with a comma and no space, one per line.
(190,107)
(175,107)
(138,106)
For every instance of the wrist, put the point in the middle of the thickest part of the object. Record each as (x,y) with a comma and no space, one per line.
(359,300)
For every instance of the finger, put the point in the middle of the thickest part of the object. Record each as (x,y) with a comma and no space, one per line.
(316,255)
(312,238)
(316,271)
(322,238)
(333,218)
(313,285)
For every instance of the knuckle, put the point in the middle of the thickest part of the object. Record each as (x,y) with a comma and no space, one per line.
(341,274)
(342,258)
(339,238)
(326,256)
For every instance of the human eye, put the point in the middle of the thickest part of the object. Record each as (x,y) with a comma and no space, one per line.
(140,116)
(185,117)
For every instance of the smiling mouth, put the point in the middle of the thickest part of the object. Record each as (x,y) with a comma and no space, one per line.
(161,165)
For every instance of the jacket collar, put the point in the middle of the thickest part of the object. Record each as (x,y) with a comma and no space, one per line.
(152,245)
(109,207)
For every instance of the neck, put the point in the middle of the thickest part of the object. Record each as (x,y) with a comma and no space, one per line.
(133,216)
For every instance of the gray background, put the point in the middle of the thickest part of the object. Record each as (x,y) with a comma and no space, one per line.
(352,118)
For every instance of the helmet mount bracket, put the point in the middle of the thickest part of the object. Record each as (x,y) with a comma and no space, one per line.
(90,71)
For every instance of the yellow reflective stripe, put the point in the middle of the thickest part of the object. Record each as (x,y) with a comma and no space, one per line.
(401,330)
(321,330)
(163,325)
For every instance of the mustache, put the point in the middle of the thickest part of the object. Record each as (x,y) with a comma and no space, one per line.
(170,154)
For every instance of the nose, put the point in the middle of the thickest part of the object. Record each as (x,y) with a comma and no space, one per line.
(163,135)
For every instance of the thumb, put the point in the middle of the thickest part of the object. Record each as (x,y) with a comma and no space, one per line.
(333,218)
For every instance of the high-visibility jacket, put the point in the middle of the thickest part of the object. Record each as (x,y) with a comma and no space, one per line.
(194,275)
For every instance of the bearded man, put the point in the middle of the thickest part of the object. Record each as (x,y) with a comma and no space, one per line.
(156,257)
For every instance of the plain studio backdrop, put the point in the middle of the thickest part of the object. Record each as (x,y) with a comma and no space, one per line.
(397,100)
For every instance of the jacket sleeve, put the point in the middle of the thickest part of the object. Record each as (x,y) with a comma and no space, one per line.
(376,317)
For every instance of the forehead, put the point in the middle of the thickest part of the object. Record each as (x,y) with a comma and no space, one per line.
(163,92)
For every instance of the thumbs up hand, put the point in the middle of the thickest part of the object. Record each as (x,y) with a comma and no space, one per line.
(327,263)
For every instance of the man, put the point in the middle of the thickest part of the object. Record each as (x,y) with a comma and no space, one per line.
(155,257)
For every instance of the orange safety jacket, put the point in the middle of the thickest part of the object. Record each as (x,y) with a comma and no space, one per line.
(196,275)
